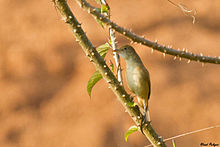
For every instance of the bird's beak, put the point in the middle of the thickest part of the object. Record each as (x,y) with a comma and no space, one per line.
(116,50)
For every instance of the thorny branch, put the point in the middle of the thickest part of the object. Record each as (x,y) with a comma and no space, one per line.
(141,40)
(106,73)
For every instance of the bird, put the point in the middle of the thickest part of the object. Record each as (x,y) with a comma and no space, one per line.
(137,77)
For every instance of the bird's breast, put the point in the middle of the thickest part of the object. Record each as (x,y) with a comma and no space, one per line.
(137,79)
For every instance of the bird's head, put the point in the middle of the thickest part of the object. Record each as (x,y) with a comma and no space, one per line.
(126,52)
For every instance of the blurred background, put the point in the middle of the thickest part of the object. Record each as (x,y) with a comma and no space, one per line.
(44,75)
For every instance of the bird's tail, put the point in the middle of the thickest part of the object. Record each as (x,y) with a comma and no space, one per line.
(144,105)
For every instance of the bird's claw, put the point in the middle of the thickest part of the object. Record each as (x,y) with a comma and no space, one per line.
(143,122)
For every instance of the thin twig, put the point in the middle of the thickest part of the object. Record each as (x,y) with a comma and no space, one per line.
(141,40)
(114,46)
(192,132)
(188,133)
(185,10)
(116,56)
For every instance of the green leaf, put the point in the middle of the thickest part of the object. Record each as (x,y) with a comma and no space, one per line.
(110,41)
(173,142)
(131,130)
(92,81)
(111,66)
(132,104)
(104,9)
(99,22)
(102,49)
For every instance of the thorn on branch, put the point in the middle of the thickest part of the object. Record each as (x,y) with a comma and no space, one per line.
(152,51)
(136,38)
(164,55)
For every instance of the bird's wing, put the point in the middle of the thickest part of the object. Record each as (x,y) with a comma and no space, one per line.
(149,85)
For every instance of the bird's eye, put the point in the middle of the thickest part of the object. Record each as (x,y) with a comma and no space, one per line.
(125,48)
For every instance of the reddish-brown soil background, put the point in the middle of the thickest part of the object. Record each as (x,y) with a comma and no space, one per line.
(44,74)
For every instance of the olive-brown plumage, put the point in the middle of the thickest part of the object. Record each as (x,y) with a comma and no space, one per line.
(137,76)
